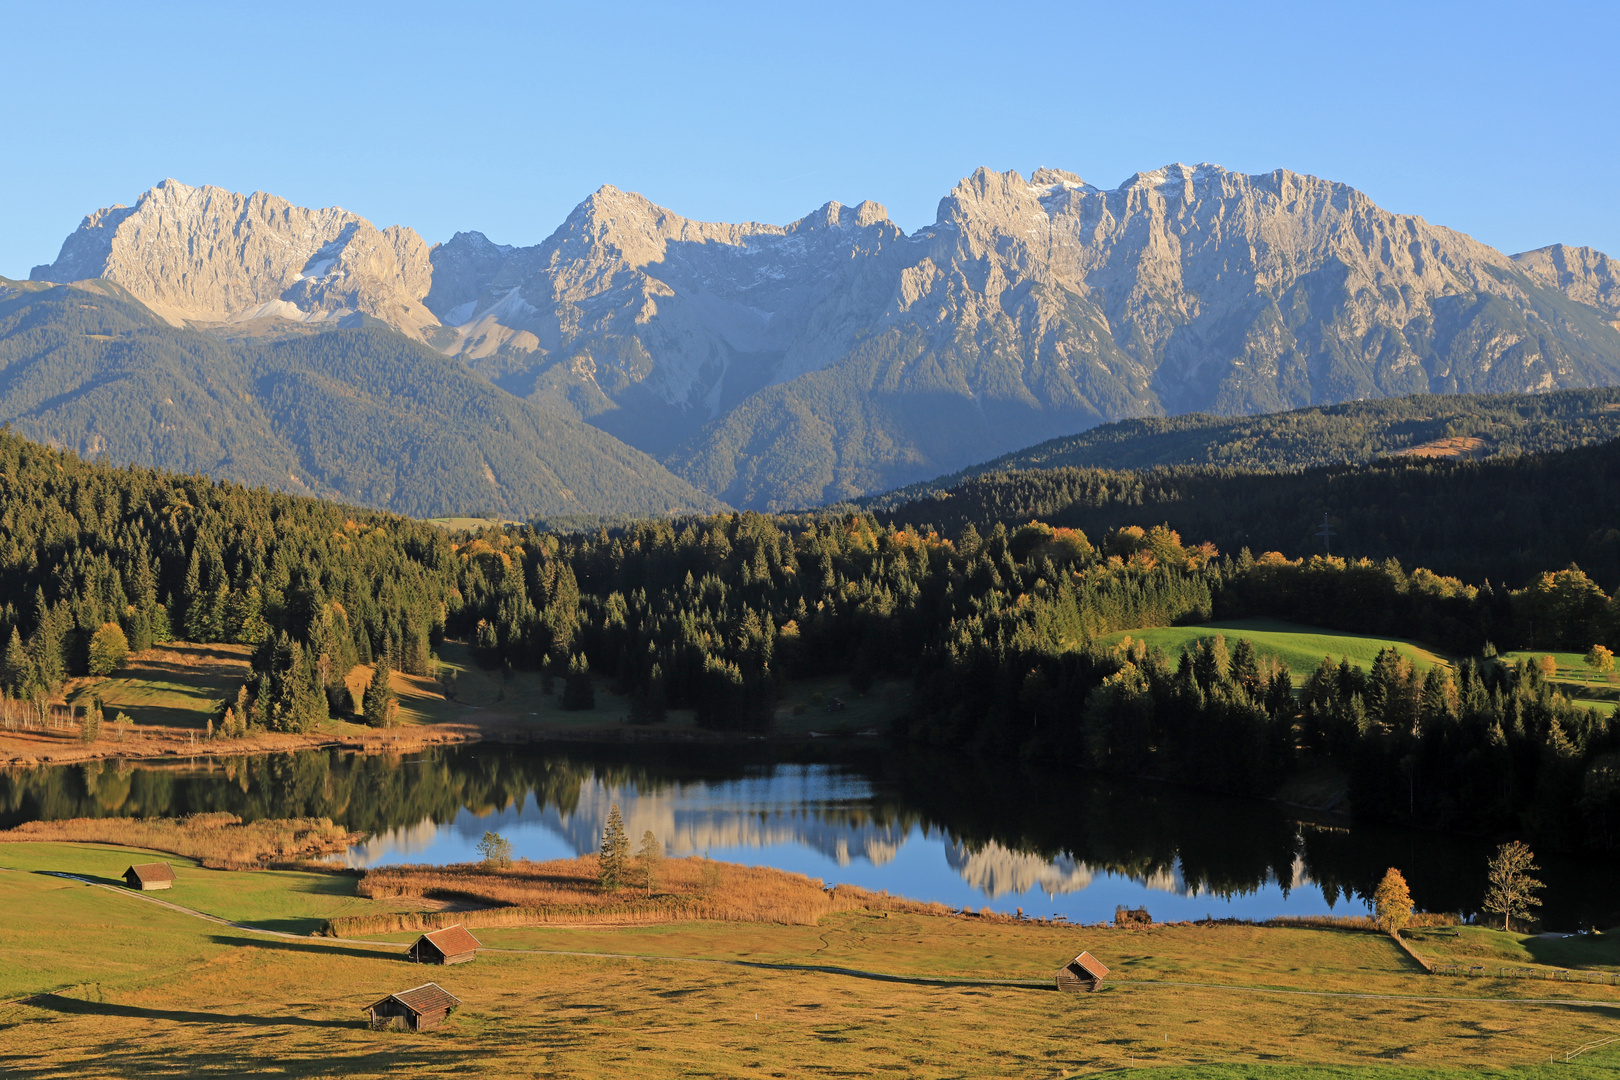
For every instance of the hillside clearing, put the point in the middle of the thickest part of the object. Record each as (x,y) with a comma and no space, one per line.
(1300,647)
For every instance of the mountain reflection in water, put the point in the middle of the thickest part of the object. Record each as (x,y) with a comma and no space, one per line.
(932,826)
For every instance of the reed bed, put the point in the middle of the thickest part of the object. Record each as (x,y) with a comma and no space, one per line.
(567,891)
(1419,920)
(218,841)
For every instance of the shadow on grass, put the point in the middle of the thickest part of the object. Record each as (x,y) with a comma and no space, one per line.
(116,882)
(390,1053)
(307,947)
(78,1007)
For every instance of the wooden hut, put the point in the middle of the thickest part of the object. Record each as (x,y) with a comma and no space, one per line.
(1084,972)
(452,945)
(149,876)
(417,1009)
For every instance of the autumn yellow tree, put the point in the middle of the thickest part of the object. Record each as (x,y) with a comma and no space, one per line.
(1600,659)
(1392,903)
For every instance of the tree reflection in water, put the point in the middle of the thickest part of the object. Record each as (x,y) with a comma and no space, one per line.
(1006,827)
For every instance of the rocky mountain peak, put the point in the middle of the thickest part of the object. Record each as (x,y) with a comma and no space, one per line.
(1582,273)
(208,255)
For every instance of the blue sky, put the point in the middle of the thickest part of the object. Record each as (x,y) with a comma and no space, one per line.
(1499,120)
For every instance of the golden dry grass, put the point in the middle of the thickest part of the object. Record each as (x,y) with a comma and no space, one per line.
(1453,446)
(568,891)
(112,986)
(1363,922)
(215,840)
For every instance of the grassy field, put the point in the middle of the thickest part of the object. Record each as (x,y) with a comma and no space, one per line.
(114,986)
(1300,647)
(1577,680)
(173,685)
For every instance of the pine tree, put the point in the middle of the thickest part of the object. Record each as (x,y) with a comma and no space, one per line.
(578,693)
(17,670)
(90,722)
(1244,668)
(376,705)
(649,857)
(496,851)
(614,858)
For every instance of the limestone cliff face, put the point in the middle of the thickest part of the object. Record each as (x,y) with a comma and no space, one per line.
(1581,273)
(652,323)
(207,255)
(1230,292)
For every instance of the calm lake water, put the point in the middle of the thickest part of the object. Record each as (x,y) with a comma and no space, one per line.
(927,825)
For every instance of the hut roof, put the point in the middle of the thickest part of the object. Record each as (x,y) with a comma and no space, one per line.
(428,997)
(453,939)
(1088,964)
(151,871)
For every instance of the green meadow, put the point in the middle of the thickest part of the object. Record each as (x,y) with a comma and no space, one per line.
(1300,647)
(1576,679)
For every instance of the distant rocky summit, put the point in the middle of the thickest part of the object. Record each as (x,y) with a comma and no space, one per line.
(779,366)
(207,255)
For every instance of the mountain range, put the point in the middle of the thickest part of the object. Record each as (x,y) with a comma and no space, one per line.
(774,367)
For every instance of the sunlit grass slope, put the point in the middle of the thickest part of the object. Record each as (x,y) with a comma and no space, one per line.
(1300,647)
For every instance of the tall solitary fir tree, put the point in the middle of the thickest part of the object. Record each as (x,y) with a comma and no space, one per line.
(614,858)
(377,706)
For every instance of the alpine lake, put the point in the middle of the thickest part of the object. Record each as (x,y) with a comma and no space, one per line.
(928,825)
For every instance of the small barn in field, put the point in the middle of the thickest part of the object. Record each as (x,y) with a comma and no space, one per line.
(418,1009)
(1084,972)
(452,945)
(149,876)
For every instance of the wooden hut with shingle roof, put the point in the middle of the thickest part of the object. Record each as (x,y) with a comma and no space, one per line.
(452,945)
(149,876)
(417,1009)
(1084,973)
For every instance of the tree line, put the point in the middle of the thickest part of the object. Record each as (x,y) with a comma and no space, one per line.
(999,632)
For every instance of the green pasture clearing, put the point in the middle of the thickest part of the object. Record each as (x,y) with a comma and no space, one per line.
(481,694)
(174,684)
(1300,647)
(291,901)
(124,988)
(1575,679)
(1470,945)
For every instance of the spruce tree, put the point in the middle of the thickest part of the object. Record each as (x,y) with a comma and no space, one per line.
(613,861)
(578,692)
(379,697)
(17,671)
(90,722)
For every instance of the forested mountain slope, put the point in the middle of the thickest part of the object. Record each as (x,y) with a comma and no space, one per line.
(363,414)
(1504,519)
(1424,425)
